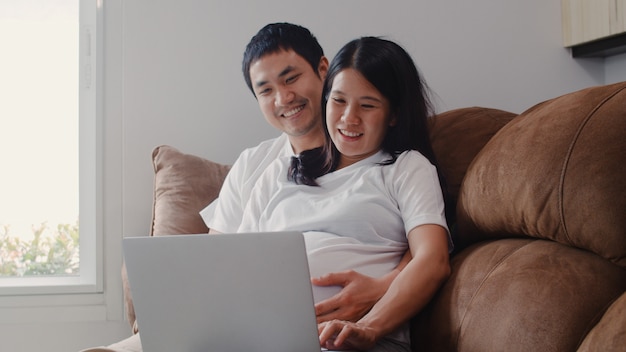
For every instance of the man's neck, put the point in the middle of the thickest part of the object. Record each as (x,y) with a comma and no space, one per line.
(302,143)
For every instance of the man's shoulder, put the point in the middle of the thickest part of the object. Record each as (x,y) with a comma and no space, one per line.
(271,147)
(253,161)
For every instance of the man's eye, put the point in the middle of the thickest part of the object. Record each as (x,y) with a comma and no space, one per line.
(292,79)
(263,91)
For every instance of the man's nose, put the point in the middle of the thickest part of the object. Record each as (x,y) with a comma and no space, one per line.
(284,96)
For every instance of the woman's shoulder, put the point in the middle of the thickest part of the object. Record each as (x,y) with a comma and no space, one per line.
(412,157)
(409,164)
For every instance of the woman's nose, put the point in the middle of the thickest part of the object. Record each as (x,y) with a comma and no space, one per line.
(350,115)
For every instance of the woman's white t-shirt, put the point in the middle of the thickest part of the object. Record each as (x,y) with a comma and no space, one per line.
(356,219)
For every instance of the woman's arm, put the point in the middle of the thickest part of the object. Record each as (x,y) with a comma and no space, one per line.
(358,294)
(412,289)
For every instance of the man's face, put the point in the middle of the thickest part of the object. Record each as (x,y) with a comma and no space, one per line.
(289,92)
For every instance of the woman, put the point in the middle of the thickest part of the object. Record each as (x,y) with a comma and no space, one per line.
(376,181)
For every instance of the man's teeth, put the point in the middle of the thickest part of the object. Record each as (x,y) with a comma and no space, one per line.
(350,134)
(293,111)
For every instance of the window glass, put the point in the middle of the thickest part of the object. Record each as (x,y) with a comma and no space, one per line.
(39,131)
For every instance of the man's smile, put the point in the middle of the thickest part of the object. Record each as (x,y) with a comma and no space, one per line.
(293,111)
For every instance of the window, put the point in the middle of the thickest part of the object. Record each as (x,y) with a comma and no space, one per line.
(49,147)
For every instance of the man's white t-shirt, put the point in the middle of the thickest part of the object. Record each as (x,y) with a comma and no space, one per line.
(225,213)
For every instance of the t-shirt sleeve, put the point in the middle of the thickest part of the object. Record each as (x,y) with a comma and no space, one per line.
(225,213)
(235,192)
(418,191)
(264,189)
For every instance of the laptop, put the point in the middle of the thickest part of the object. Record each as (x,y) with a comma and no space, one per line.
(221,293)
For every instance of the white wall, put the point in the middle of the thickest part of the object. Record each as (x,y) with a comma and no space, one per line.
(172,76)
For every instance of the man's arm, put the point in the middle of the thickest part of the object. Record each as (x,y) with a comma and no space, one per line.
(358,295)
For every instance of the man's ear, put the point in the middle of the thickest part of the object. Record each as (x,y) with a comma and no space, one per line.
(322,68)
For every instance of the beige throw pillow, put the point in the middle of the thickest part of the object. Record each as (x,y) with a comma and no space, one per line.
(183,185)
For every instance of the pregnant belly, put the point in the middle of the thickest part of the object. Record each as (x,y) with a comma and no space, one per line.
(329,253)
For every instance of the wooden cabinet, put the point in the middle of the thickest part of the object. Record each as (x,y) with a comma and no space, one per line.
(594,27)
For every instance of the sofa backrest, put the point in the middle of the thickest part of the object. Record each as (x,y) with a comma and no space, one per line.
(556,172)
(457,136)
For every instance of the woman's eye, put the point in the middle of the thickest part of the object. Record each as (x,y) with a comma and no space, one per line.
(338,100)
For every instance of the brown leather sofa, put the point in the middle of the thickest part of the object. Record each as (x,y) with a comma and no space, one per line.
(540,228)
(541,223)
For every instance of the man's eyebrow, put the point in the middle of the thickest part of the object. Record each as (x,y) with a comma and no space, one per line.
(287,70)
(260,84)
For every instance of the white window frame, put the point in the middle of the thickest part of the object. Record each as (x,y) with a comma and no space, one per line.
(83,297)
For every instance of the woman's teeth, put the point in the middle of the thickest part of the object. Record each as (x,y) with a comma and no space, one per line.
(350,134)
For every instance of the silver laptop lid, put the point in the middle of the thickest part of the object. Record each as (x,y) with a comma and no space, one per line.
(230,292)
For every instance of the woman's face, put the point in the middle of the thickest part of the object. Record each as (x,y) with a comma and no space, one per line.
(357,116)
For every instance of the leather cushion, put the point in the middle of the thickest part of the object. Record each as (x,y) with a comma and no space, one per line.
(519,295)
(458,135)
(558,172)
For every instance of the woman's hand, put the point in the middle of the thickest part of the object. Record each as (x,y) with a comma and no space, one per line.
(357,296)
(346,335)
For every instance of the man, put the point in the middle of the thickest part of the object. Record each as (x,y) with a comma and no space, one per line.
(284,66)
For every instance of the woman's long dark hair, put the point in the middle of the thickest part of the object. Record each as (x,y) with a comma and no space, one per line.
(389,68)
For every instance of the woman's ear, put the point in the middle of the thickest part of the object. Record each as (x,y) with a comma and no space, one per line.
(393,121)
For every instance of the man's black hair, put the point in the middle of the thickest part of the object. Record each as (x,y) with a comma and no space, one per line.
(275,37)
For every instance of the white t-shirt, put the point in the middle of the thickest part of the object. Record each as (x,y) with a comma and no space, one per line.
(356,219)
(225,213)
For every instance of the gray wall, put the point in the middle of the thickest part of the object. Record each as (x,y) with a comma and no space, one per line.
(183,85)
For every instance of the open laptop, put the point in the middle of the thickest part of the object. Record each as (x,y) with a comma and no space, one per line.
(221,293)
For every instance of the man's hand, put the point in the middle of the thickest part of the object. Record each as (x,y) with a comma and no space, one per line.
(345,335)
(358,295)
